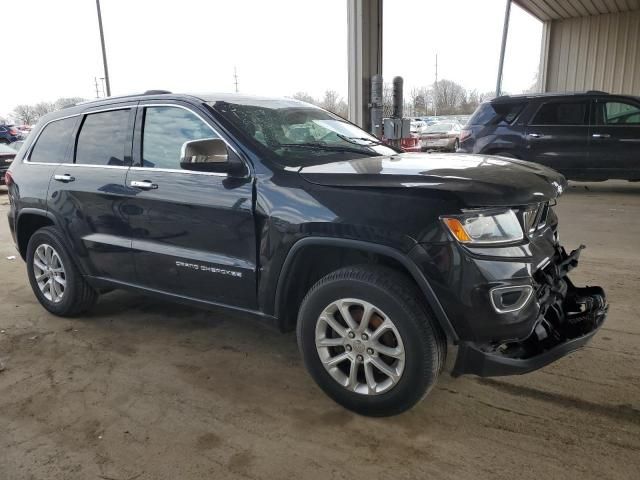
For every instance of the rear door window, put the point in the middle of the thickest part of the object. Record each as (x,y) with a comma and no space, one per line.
(621,113)
(52,144)
(562,113)
(495,113)
(102,138)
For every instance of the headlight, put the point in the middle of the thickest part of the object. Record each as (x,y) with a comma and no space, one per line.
(485,227)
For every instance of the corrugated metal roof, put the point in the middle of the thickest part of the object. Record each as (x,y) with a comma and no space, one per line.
(560,9)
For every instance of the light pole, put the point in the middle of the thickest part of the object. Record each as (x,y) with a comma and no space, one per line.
(503,47)
(104,50)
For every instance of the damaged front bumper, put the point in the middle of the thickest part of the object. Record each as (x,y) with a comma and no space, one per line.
(568,317)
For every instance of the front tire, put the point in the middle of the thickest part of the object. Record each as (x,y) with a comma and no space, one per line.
(368,340)
(55,280)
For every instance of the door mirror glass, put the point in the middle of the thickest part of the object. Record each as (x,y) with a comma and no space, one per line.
(205,155)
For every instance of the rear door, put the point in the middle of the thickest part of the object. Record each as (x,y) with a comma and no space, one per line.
(558,136)
(615,139)
(51,148)
(87,196)
(193,232)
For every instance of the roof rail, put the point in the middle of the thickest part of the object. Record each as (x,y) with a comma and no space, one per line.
(597,92)
(156,92)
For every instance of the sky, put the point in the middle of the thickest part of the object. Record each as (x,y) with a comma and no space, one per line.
(278,47)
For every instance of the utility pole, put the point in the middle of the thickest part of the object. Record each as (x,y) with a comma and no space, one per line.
(505,32)
(235,78)
(95,80)
(435,91)
(104,50)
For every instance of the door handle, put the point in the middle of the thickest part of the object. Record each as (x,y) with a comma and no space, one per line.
(144,184)
(536,135)
(65,178)
(601,135)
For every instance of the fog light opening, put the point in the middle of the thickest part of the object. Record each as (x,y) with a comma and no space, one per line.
(510,299)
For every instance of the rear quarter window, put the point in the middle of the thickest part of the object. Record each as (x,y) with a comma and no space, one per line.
(495,113)
(53,142)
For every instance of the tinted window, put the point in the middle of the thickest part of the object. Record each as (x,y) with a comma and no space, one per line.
(494,113)
(51,146)
(619,113)
(166,129)
(562,113)
(102,138)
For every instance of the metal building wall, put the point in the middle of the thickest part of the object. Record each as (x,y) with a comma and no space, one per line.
(600,52)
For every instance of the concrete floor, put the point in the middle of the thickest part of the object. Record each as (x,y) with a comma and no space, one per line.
(141,389)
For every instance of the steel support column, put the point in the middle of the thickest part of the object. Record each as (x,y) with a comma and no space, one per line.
(544,57)
(365,56)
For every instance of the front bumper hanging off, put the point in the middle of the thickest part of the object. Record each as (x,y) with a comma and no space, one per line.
(569,316)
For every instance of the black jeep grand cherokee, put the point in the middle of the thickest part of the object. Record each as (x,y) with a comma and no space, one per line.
(386,263)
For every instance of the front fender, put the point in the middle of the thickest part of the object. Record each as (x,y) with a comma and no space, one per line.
(411,268)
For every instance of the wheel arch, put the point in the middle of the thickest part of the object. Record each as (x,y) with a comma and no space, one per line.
(28,222)
(289,294)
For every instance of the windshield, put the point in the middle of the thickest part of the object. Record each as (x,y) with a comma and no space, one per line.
(439,128)
(297,134)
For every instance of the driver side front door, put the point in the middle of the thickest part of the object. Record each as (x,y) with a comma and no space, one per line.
(193,232)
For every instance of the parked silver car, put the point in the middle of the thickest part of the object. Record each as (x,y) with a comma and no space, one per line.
(441,136)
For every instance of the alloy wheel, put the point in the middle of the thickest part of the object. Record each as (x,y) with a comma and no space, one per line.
(49,273)
(359,346)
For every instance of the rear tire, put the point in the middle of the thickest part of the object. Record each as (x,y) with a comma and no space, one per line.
(384,367)
(56,281)
(456,145)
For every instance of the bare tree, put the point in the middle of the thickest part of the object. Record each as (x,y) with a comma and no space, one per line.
(25,114)
(68,102)
(305,97)
(419,101)
(448,96)
(43,108)
(333,102)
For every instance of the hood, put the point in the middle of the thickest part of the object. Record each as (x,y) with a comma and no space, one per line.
(479,180)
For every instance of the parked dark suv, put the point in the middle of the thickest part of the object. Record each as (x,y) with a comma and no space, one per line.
(585,136)
(386,263)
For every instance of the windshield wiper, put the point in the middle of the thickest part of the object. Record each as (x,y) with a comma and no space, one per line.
(323,146)
(351,140)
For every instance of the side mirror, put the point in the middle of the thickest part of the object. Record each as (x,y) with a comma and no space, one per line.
(207,155)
